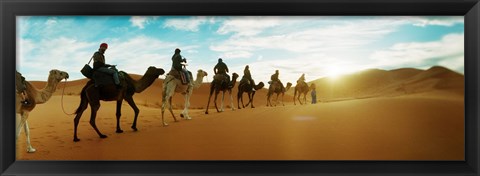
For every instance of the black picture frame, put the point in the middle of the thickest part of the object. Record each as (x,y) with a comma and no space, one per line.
(9,9)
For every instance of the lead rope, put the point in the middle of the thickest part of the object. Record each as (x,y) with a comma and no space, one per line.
(63,91)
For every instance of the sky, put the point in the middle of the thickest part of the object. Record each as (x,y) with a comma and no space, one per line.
(318,46)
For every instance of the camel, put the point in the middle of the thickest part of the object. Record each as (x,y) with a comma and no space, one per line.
(277,88)
(246,86)
(171,85)
(35,97)
(92,95)
(301,88)
(217,85)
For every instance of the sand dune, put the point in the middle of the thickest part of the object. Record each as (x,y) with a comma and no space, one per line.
(424,121)
(380,83)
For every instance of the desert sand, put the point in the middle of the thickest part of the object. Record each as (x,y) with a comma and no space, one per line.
(404,114)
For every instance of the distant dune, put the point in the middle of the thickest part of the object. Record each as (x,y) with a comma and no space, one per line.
(402,114)
(380,83)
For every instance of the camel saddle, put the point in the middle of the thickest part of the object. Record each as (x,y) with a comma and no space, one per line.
(276,83)
(180,75)
(223,79)
(102,79)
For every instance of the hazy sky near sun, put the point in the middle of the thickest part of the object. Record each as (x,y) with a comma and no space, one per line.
(317,46)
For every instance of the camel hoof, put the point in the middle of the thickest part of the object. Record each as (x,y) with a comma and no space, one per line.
(206,112)
(103,136)
(165,125)
(134,128)
(181,115)
(31,150)
(119,131)
(189,118)
(76,140)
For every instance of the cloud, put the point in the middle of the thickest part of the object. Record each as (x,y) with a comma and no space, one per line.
(437,21)
(449,51)
(236,54)
(248,26)
(141,21)
(65,54)
(51,21)
(188,24)
(311,39)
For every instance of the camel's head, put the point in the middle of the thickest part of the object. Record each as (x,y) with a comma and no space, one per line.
(260,85)
(58,75)
(289,84)
(201,73)
(155,71)
(234,76)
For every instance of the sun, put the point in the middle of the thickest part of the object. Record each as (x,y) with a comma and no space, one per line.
(333,72)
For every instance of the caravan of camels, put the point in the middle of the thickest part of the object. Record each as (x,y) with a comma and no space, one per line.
(107,84)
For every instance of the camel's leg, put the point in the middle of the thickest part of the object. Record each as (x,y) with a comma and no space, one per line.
(20,124)
(187,106)
(209,97)
(231,100)
(299,101)
(184,113)
(164,103)
(283,94)
(239,97)
(24,124)
(76,120)
(294,96)
(268,99)
(276,100)
(171,110)
(305,98)
(30,149)
(135,110)
(242,100)
(215,101)
(119,114)
(223,99)
(95,105)
(166,94)
(249,94)
(251,100)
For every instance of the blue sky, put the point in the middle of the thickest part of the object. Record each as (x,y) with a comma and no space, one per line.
(318,46)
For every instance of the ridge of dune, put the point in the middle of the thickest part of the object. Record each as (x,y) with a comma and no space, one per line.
(379,83)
